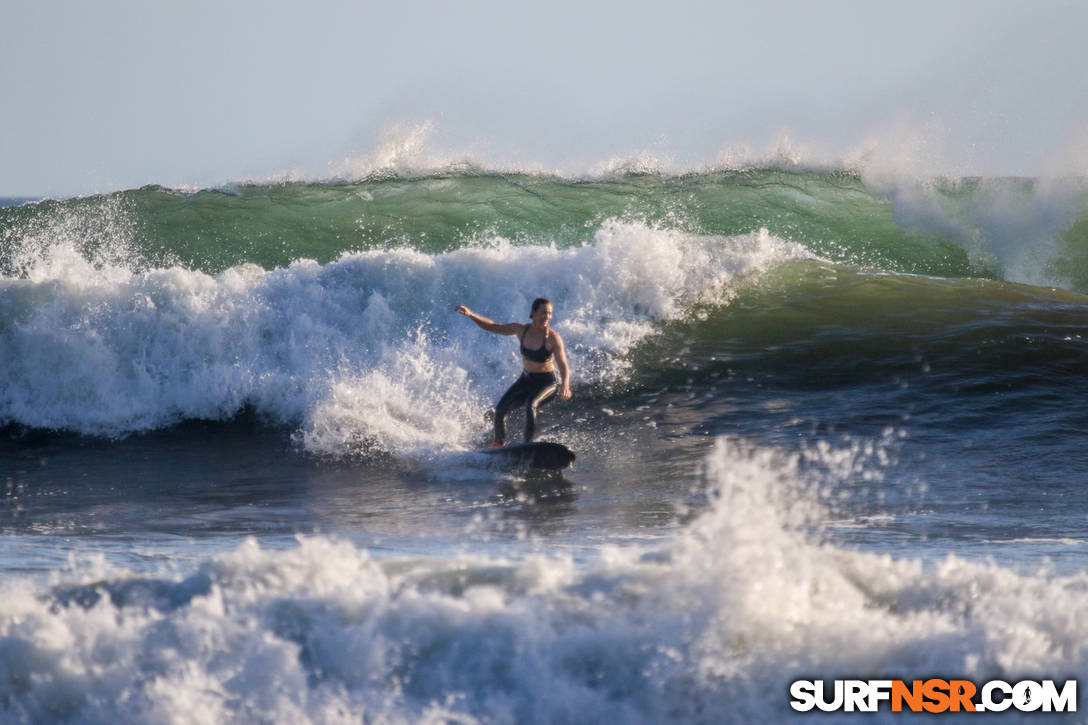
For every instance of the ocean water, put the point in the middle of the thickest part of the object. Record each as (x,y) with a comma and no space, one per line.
(829,424)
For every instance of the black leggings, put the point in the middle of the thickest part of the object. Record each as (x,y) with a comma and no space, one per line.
(531,390)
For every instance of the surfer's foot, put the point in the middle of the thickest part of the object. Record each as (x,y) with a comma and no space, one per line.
(498,443)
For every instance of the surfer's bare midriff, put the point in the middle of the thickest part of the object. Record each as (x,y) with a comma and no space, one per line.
(532,366)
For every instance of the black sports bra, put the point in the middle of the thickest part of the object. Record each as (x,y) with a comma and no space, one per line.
(541,354)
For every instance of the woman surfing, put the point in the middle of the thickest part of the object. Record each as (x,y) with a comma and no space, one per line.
(542,352)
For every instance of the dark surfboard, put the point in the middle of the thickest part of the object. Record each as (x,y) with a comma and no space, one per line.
(538,454)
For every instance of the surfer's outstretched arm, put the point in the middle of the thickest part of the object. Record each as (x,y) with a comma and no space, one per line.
(499,328)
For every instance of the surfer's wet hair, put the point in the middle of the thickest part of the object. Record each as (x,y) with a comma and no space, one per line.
(538,302)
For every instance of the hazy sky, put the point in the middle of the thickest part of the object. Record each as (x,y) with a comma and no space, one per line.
(120,93)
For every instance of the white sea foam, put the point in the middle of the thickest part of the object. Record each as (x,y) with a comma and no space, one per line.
(1013,225)
(363,351)
(709,629)
(89,239)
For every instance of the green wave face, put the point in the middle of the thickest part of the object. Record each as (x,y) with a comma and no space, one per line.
(1017,229)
